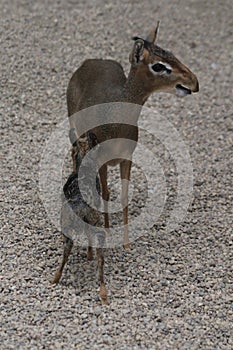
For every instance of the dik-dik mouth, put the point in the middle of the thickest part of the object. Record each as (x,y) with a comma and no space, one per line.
(182,90)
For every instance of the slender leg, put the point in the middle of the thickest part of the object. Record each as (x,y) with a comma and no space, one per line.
(89,253)
(105,194)
(89,249)
(68,244)
(73,152)
(100,259)
(125,168)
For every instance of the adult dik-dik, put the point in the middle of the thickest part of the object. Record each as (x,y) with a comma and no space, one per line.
(99,81)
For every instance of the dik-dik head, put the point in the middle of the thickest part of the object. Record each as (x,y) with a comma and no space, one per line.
(81,146)
(160,70)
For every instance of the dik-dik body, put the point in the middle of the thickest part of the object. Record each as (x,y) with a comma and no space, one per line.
(102,81)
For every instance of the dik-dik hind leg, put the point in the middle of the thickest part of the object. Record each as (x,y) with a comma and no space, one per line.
(100,260)
(68,244)
(105,194)
(125,168)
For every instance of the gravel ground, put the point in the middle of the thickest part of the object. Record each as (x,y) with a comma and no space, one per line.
(179,295)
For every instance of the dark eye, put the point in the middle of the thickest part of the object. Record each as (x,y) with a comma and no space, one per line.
(158,67)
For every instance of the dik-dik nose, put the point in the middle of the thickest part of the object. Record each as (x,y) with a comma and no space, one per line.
(195,83)
(196,89)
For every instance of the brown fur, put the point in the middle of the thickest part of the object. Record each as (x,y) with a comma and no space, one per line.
(102,81)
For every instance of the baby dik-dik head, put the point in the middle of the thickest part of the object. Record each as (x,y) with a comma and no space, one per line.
(159,69)
(85,172)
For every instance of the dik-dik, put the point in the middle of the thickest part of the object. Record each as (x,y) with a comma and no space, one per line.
(99,81)
(80,208)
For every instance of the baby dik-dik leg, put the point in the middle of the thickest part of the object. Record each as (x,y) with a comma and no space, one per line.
(100,260)
(105,194)
(68,244)
(89,248)
(125,168)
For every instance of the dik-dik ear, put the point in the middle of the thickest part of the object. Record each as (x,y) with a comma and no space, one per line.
(92,139)
(151,38)
(137,53)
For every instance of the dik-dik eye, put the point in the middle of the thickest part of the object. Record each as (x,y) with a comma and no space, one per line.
(160,68)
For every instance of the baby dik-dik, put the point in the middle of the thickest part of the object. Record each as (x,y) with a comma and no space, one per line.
(99,81)
(80,208)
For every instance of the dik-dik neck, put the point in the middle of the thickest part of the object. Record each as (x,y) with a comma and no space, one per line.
(135,89)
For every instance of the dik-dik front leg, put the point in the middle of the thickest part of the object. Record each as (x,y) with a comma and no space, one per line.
(125,168)
(105,194)
(68,244)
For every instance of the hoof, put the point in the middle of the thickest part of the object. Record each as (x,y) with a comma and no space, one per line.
(103,295)
(126,246)
(104,302)
(56,278)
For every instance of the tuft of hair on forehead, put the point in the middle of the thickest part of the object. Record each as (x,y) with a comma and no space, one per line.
(156,50)
(167,55)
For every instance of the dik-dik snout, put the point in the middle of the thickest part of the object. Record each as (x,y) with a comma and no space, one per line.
(159,70)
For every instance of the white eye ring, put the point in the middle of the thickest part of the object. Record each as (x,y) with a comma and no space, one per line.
(167,68)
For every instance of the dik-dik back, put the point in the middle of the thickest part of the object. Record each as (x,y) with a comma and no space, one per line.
(96,81)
